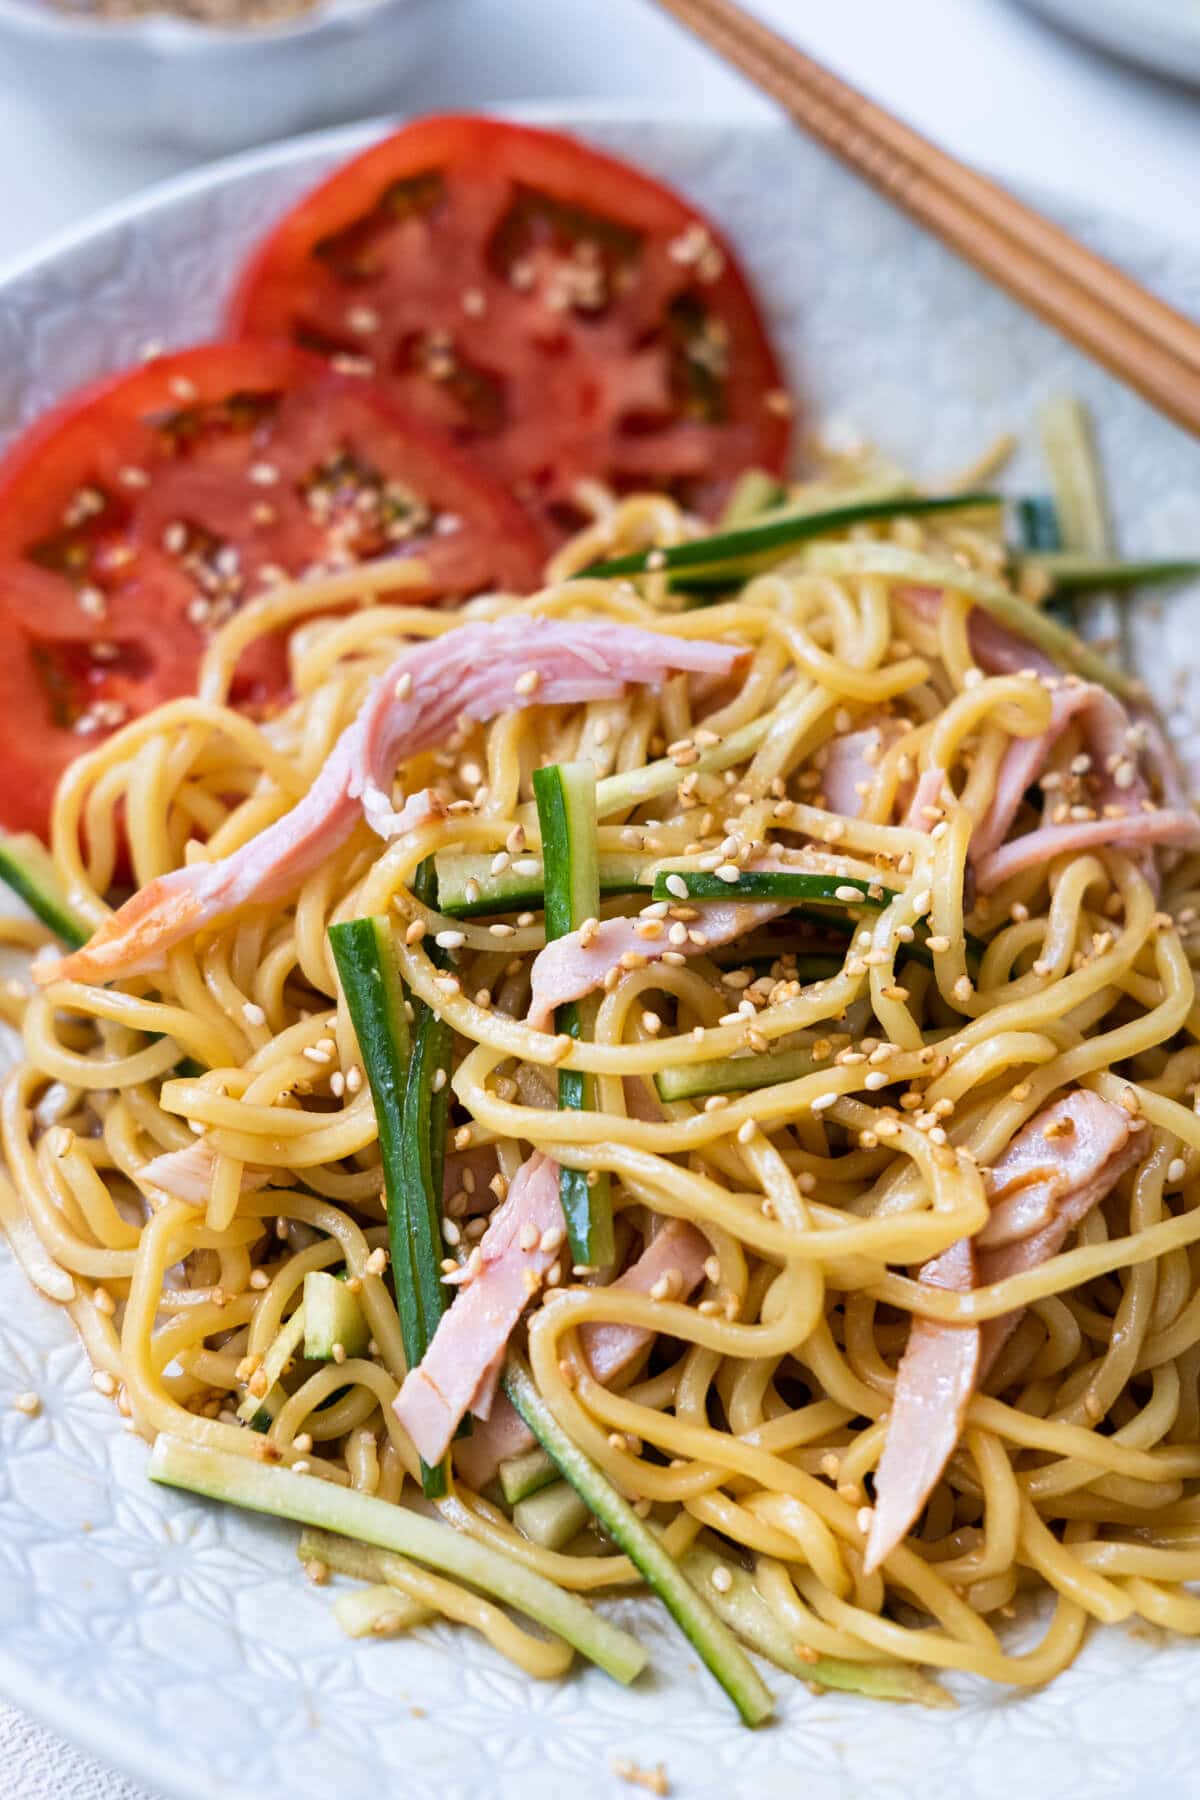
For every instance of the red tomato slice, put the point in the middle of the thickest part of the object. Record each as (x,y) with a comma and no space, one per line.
(140,515)
(554,310)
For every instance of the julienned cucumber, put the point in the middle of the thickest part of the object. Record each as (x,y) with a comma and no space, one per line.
(552,1516)
(772,884)
(240,1481)
(1074,570)
(467,888)
(772,537)
(27,867)
(736,1599)
(332,1319)
(523,1475)
(754,492)
(712,1640)
(566,804)
(734,1074)
(282,1348)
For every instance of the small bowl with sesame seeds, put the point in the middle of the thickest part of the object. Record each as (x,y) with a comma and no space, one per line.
(214,75)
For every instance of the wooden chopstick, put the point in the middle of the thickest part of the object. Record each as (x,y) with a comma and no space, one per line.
(1144,342)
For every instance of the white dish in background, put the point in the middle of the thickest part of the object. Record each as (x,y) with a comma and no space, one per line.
(163,79)
(1163,35)
(177,1639)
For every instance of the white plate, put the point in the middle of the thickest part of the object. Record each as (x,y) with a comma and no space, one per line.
(1163,35)
(176,1639)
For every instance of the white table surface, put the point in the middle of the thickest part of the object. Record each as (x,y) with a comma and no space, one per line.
(986,79)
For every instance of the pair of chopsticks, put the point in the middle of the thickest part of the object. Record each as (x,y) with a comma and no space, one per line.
(1140,339)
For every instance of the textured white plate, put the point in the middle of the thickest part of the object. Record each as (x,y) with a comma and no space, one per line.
(176,1639)
(1161,34)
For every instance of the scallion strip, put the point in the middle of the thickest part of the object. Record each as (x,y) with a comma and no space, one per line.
(711,1638)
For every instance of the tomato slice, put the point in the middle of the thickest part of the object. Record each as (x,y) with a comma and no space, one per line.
(138,516)
(555,311)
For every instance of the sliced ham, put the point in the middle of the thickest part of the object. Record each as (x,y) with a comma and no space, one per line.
(1140,831)
(1045,1183)
(610,1350)
(566,970)
(934,1384)
(502,1435)
(852,763)
(474,672)
(461,1366)
(995,648)
(676,1252)
(187,1174)
(929,792)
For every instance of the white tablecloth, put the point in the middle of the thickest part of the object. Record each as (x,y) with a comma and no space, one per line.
(983,77)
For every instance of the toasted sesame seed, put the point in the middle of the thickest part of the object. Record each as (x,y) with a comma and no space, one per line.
(253,1013)
(676,886)
(29,1403)
(404,685)
(823,1101)
(450,940)
(528,683)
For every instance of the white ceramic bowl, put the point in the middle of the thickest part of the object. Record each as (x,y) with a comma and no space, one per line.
(1163,35)
(162,79)
(176,1638)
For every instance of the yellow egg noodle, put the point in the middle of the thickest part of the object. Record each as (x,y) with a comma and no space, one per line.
(759,1416)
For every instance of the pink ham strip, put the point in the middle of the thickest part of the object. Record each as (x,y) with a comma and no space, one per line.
(1001,652)
(460,1368)
(934,1384)
(1181,830)
(564,970)
(467,673)
(849,766)
(610,1349)
(677,1248)
(187,1174)
(1056,1174)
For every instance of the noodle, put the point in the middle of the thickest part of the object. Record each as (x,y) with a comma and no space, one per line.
(762,1411)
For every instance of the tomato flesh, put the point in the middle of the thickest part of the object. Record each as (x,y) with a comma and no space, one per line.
(136,519)
(555,311)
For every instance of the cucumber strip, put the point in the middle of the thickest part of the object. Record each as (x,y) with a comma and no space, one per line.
(712,1640)
(618,793)
(812,895)
(1037,522)
(565,794)
(1007,608)
(332,1317)
(552,1516)
(258,1487)
(777,884)
(738,1602)
(401,1078)
(523,1475)
(1084,514)
(27,867)
(467,889)
(734,1074)
(770,539)
(754,492)
(381,1612)
(280,1351)
(1073,571)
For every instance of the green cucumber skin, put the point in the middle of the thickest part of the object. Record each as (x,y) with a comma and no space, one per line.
(773,537)
(239,1481)
(331,1316)
(523,1475)
(552,1516)
(27,868)
(566,805)
(506,892)
(710,1637)
(774,884)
